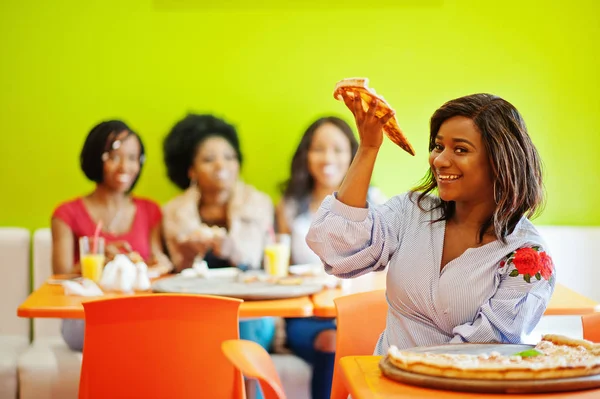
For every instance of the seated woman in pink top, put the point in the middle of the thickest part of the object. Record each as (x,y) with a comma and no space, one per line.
(112,156)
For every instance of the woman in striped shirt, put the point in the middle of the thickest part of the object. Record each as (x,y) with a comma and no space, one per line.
(465,264)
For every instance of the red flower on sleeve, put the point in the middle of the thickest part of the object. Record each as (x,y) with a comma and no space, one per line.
(527,261)
(530,262)
(547,266)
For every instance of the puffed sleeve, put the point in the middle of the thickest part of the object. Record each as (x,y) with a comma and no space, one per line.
(354,241)
(527,279)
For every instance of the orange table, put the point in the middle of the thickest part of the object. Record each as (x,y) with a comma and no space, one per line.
(364,380)
(564,302)
(50,301)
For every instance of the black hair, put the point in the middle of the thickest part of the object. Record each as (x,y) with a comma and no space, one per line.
(100,141)
(182,143)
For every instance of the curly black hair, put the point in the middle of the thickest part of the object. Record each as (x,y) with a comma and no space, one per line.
(100,140)
(182,143)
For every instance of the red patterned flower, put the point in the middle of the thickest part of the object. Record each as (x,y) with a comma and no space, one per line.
(527,261)
(547,265)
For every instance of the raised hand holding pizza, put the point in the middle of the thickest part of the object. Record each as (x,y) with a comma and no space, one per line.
(362,100)
(369,125)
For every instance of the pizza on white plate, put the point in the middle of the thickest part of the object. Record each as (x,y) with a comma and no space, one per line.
(555,356)
(360,86)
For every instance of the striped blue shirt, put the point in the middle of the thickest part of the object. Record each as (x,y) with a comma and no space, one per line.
(478,297)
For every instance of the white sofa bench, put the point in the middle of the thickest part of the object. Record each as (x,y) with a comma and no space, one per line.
(48,369)
(14,288)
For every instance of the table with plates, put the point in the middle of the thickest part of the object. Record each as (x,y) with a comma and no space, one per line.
(364,380)
(49,300)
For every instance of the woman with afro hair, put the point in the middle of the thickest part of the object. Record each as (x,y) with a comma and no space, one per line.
(217,218)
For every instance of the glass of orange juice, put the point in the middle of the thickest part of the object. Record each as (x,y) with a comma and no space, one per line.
(91,257)
(277,256)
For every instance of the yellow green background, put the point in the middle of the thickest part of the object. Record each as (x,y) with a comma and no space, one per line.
(270,66)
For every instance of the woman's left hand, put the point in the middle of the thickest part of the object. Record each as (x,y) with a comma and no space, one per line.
(223,246)
(117,248)
(160,263)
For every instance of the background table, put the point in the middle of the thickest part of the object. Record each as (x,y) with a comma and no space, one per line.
(564,301)
(50,301)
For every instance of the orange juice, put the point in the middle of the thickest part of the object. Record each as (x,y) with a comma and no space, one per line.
(277,259)
(91,266)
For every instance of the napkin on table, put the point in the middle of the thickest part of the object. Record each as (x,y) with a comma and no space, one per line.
(84,288)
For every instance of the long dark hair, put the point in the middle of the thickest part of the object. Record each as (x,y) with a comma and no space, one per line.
(516,165)
(301,183)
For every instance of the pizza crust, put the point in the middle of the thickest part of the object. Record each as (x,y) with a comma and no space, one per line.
(563,357)
(502,374)
(563,340)
(353,86)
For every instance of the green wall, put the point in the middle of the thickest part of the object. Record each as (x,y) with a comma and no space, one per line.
(270,67)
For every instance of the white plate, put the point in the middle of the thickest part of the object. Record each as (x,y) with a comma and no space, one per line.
(224,272)
(307,269)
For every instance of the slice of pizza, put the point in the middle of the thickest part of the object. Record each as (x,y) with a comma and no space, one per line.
(556,357)
(359,86)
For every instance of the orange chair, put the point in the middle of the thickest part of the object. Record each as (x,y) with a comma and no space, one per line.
(591,327)
(254,362)
(361,319)
(159,346)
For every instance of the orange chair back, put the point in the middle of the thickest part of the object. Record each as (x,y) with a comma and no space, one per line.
(361,319)
(254,362)
(591,327)
(159,346)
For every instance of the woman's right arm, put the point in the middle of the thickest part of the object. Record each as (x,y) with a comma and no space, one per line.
(181,254)
(355,241)
(281,220)
(63,247)
(182,246)
(350,238)
(355,187)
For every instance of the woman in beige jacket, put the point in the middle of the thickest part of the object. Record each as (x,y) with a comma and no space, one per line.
(217,218)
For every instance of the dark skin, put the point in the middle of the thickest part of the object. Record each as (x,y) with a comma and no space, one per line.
(459,162)
(328,160)
(216,171)
(111,203)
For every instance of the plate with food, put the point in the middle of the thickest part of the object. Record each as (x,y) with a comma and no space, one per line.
(557,363)
(307,269)
(248,286)
(315,273)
